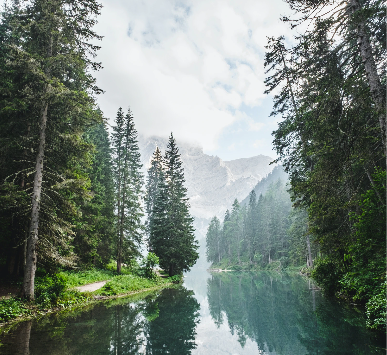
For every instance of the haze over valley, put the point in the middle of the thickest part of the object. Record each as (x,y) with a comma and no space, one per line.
(212,184)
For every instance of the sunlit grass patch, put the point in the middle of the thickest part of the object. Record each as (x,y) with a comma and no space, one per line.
(126,283)
(80,278)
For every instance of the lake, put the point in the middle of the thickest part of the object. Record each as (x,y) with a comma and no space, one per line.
(223,313)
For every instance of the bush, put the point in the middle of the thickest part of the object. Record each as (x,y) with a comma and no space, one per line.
(376,310)
(48,289)
(326,274)
(148,264)
(176,279)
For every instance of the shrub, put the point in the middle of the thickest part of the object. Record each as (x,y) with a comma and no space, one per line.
(176,279)
(376,310)
(48,289)
(326,274)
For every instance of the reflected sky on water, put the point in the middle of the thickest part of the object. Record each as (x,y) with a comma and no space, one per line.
(223,313)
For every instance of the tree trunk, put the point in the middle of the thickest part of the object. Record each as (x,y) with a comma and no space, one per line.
(119,251)
(374,186)
(309,252)
(118,215)
(31,257)
(374,82)
(170,272)
(218,249)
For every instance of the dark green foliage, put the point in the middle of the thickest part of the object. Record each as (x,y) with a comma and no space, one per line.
(128,184)
(154,178)
(12,308)
(173,330)
(332,139)
(46,62)
(171,234)
(94,239)
(49,289)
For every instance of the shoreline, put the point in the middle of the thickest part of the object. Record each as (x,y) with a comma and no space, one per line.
(36,313)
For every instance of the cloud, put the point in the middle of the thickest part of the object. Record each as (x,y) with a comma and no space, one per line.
(185,66)
(258,143)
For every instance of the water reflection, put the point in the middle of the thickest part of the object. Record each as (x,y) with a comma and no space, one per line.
(285,315)
(161,323)
(174,316)
(239,313)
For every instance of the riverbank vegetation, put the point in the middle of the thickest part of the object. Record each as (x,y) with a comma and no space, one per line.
(57,292)
(71,194)
(330,90)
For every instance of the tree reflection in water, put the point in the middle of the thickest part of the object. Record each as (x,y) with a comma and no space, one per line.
(159,324)
(173,330)
(285,316)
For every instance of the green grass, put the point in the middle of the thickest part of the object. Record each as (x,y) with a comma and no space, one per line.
(80,278)
(122,284)
(57,291)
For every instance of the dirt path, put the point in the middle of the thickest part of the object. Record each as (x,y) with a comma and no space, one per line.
(91,287)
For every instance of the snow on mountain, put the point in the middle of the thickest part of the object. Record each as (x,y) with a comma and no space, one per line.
(212,183)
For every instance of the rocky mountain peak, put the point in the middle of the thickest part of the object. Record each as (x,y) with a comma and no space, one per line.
(212,183)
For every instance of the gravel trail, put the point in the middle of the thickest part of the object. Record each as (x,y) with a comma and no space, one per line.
(91,287)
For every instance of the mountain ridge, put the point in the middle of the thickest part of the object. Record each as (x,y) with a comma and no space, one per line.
(212,183)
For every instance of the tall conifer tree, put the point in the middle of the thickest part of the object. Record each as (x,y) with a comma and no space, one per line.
(172,232)
(95,231)
(46,70)
(155,174)
(129,182)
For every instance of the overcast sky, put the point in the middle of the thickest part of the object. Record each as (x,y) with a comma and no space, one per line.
(192,67)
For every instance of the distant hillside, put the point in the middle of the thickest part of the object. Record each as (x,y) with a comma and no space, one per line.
(262,186)
(212,183)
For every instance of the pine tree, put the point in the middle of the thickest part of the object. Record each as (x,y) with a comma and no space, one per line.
(251,225)
(213,241)
(172,233)
(128,181)
(47,89)
(152,188)
(236,230)
(95,230)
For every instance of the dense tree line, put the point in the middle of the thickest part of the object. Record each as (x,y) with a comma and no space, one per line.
(70,195)
(332,140)
(255,234)
(47,105)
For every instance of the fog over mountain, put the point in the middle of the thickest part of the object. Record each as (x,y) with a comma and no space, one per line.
(212,183)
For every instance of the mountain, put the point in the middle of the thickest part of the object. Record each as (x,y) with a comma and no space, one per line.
(212,183)
(262,186)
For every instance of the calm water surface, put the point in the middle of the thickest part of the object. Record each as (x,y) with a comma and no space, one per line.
(227,313)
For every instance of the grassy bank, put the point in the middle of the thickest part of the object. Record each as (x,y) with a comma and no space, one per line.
(57,292)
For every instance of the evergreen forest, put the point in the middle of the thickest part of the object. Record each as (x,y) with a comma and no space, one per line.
(72,190)
(75,198)
(329,87)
